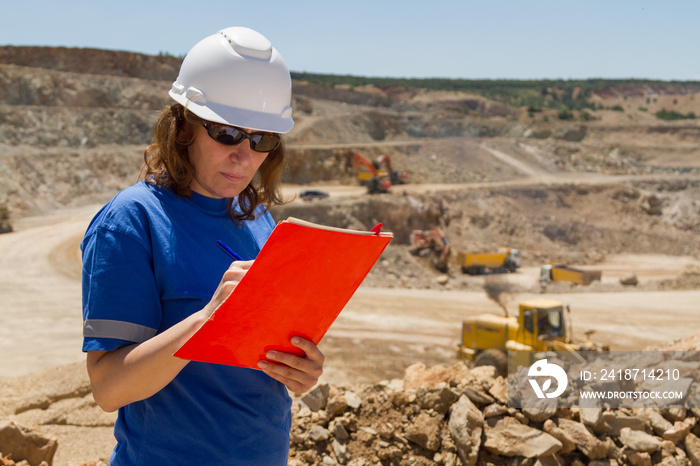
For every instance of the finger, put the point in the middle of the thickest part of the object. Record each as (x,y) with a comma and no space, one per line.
(238,267)
(309,348)
(302,365)
(242,264)
(295,380)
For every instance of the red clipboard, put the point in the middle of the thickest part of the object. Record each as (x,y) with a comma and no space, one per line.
(300,282)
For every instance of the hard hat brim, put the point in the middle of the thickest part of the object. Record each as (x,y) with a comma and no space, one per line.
(243,118)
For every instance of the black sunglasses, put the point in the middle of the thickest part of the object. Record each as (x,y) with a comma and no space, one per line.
(231,136)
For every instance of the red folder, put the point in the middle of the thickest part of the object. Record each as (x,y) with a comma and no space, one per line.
(303,277)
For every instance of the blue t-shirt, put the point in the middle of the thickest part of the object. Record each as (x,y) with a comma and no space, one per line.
(150,259)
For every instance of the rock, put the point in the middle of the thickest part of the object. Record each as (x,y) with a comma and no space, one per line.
(592,417)
(417,375)
(659,423)
(585,441)
(338,430)
(485,374)
(637,458)
(542,410)
(336,405)
(639,440)
(508,437)
(499,389)
(353,400)
(564,437)
(494,409)
(613,422)
(466,426)
(438,399)
(614,452)
(629,280)
(317,398)
(692,449)
(478,397)
(341,451)
(318,433)
(21,443)
(550,460)
(677,433)
(678,413)
(425,432)
(667,448)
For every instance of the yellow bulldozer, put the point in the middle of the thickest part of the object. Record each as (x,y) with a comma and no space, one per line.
(541,325)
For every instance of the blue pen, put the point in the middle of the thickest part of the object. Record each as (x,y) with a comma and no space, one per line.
(229,251)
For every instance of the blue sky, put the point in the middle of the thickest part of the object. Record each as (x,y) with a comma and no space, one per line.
(494,39)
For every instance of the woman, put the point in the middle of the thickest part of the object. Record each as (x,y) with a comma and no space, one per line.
(152,273)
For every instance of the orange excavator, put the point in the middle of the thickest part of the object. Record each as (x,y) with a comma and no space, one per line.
(377,179)
(432,242)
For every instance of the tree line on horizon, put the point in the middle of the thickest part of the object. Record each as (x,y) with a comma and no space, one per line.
(559,94)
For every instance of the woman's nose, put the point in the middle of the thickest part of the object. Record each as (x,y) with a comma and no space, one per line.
(241,152)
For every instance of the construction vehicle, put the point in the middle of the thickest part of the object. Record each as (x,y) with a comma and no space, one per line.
(433,242)
(5,222)
(541,325)
(377,179)
(395,176)
(563,273)
(505,260)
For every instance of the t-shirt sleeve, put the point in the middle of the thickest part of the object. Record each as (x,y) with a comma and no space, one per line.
(121,304)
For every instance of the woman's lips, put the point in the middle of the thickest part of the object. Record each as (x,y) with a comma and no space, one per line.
(233,177)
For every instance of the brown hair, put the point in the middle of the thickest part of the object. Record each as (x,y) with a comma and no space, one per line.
(167,163)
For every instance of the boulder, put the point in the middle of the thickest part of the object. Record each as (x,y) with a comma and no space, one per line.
(639,440)
(425,432)
(22,443)
(567,441)
(508,437)
(466,426)
(692,449)
(317,398)
(585,441)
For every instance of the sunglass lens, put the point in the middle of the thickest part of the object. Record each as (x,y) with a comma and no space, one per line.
(230,136)
(263,142)
(226,135)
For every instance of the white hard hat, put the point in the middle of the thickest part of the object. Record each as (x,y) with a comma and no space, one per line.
(236,77)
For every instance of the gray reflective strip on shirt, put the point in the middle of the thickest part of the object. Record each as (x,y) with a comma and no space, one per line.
(101,328)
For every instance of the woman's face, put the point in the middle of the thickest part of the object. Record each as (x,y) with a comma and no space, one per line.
(222,171)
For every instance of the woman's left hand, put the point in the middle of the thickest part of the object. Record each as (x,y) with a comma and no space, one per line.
(298,373)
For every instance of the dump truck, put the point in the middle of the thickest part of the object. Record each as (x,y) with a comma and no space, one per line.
(505,260)
(564,273)
(541,325)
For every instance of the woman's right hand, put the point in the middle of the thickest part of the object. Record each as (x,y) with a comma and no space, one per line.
(228,283)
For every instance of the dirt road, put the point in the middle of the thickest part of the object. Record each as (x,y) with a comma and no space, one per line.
(379,333)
